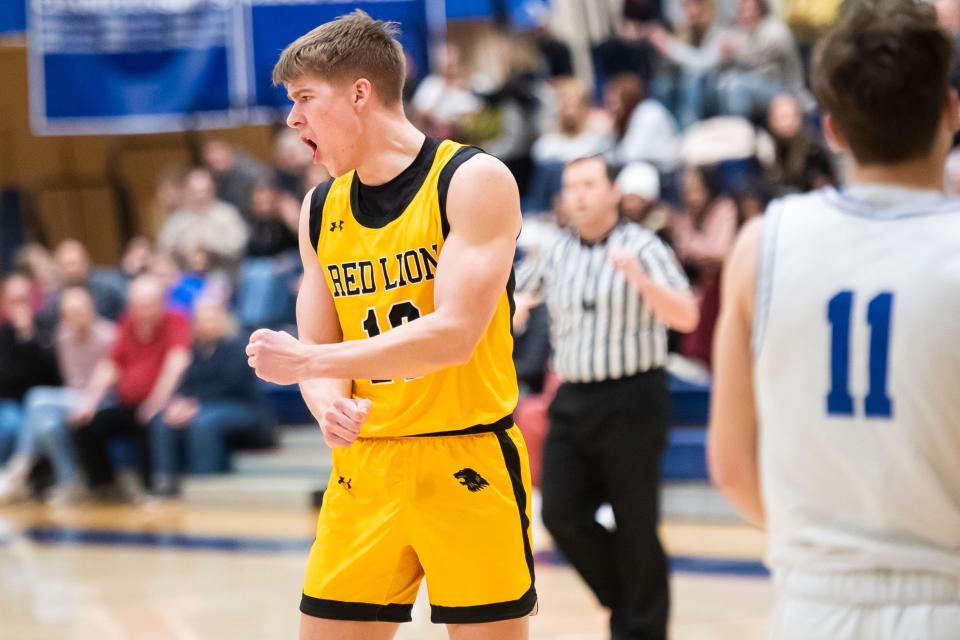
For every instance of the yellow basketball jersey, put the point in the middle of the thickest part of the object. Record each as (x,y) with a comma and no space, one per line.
(381,274)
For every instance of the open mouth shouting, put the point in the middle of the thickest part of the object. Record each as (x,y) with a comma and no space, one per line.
(310,143)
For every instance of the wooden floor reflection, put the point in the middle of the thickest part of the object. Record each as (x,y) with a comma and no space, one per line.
(171,573)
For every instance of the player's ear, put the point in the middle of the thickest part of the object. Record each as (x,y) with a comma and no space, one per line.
(362,92)
(834,138)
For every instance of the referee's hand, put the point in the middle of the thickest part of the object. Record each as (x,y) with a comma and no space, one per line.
(342,420)
(629,265)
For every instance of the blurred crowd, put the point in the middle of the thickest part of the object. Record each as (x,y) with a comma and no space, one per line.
(121,379)
(703,117)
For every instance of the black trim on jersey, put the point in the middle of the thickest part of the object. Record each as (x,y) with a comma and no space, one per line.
(356,611)
(443,186)
(446,174)
(394,196)
(316,212)
(525,605)
(500,425)
(511,290)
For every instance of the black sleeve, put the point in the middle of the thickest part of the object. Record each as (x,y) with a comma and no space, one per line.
(446,174)
(316,211)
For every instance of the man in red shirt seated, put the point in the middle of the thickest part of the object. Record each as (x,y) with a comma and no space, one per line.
(149,357)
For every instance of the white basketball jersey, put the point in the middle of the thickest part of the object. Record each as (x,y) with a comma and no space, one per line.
(857,378)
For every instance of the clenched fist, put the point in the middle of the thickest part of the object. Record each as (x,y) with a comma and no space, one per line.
(277,357)
(342,420)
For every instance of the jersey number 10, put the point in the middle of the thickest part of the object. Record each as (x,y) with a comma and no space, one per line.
(400,313)
(877,404)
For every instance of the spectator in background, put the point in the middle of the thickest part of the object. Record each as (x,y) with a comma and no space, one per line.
(703,235)
(752,199)
(217,398)
(517,105)
(800,161)
(808,22)
(234,173)
(83,339)
(151,352)
(74,270)
(276,216)
(555,52)
(752,62)
(36,262)
(27,357)
(685,88)
(574,136)
(411,81)
(948,16)
(206,223)
(625,52)
(136,258)
(644,129)
(291,158)
(445,96)
(265,296)
(167,197)
(185,286)
(639,186)
(764,60)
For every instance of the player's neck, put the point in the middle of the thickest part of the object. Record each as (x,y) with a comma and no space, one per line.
(395,143)
(918,174)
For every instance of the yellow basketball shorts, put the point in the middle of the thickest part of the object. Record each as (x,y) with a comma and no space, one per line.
(452,508)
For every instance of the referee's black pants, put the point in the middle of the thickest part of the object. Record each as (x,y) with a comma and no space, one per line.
(604,445)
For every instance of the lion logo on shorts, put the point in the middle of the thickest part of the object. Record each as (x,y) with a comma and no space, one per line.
(471,479)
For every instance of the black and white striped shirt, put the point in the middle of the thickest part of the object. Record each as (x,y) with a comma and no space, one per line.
(600,327)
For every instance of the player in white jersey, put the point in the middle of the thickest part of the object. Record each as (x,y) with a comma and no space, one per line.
(836,408)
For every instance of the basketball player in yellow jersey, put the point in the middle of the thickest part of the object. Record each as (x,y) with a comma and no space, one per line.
(404,355)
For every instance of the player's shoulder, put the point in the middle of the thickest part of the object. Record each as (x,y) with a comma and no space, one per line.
(810,201)
(474,179)
(472,163)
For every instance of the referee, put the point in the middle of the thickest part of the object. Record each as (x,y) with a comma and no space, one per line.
(612,288)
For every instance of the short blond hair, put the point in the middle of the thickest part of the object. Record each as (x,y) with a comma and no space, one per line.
(351,47)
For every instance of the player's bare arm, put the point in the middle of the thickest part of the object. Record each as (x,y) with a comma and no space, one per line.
(732,437)
(328,399)
(483,209)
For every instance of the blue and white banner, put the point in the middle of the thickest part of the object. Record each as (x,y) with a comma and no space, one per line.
(277,23)
(135,66)
(146,66)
